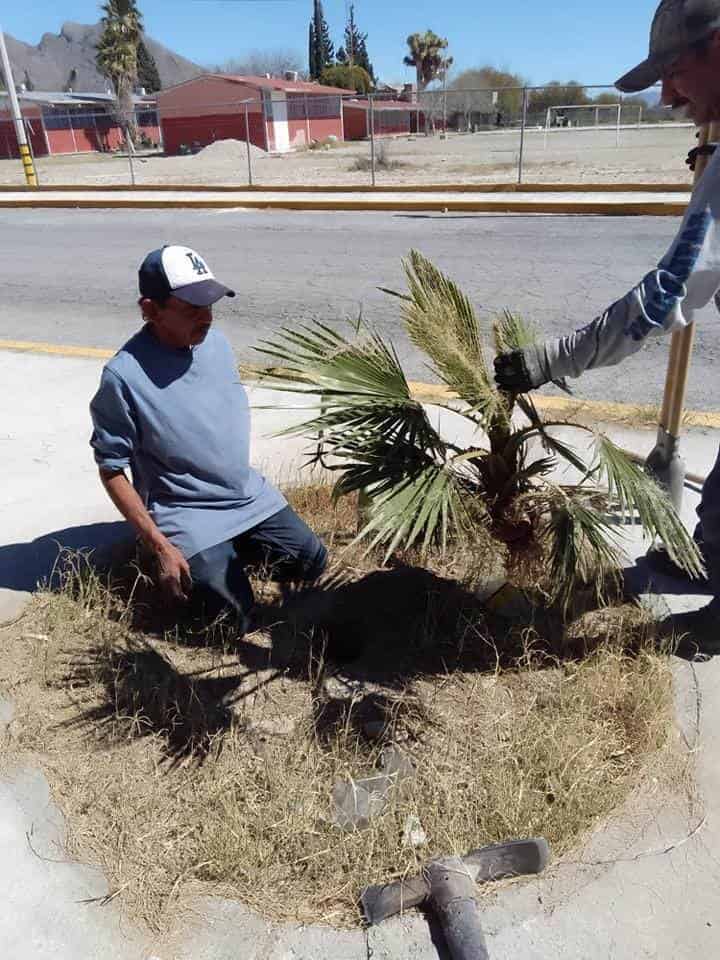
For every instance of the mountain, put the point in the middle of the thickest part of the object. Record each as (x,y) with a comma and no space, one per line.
(49,64)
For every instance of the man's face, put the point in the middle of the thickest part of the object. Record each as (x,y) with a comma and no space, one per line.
(692,83)
(176,323)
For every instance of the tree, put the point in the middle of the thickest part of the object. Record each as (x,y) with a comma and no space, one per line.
(117,57)
(556,94)
(351,78)
(422,490)
(148,75)
(355,51)
(475,90)
(259,62)
(425,55)
(321,52)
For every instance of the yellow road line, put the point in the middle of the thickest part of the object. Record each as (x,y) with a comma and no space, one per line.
(59,350)
(600,411)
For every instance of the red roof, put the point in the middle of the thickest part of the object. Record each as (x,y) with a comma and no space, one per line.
(286,86)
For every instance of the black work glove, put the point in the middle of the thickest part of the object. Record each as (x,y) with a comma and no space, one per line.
(511,372)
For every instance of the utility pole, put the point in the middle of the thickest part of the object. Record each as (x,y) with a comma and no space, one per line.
(25,155)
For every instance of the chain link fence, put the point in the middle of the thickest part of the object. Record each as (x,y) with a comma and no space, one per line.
(556,134)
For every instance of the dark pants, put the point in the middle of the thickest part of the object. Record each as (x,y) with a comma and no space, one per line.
(708,531)
(283,544)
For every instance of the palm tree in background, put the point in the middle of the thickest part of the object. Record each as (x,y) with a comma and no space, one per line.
(426,55)
(117,57)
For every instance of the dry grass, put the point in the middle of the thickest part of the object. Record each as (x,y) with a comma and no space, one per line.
(180,756)
(383,160)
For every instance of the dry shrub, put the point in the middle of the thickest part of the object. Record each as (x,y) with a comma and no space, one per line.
(215,763)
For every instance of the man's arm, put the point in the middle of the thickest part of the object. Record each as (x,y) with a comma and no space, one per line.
(687,278)
(649,309)
(173,568)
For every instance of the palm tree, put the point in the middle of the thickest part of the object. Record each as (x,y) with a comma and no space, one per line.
(420,489)
(426,56)
(117,57)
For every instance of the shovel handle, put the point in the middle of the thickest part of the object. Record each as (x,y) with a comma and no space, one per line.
(682,340)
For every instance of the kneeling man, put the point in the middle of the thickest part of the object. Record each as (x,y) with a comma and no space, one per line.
(172,409)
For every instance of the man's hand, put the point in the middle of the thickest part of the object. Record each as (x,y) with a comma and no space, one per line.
(511,373)
(173,573)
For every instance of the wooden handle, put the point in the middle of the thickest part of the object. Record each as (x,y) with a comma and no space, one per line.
(681,347)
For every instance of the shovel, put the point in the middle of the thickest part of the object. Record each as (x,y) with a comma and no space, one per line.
(665,462)
(447,887)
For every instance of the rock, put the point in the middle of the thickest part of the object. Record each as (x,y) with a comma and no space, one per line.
(356,802)
(413,833)
(13,604)
(510,604)
(276,727)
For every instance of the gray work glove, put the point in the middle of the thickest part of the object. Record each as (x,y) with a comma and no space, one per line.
(513,375)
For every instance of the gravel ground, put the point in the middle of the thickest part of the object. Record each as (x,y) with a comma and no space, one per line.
(650,154)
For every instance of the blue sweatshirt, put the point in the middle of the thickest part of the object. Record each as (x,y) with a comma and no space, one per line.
(180,420)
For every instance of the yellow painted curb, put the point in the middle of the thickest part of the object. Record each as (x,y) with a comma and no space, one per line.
(566,407)
(580,208)
(356,188)
(569,407)
(58,350)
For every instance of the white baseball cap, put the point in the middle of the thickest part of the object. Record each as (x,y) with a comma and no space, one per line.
(180,272)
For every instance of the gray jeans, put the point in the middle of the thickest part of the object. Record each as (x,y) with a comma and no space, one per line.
(708,530)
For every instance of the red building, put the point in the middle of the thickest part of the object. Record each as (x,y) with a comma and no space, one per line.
(390,118)
(58,123)
(277,115)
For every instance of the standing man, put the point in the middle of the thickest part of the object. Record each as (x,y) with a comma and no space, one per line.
(171,408)
(685,55)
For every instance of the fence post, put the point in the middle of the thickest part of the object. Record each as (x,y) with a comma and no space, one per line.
(307,121)
(522,133)
(617,128)
(247,144)
(372,139)
(126,130)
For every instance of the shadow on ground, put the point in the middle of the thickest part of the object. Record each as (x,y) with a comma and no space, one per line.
(25,565)
(356,643)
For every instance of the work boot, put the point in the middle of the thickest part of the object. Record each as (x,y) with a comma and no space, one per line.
(694,635)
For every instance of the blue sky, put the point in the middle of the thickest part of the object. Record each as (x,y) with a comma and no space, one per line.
(542,41)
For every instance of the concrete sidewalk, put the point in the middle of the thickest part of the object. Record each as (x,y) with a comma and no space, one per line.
(643,886)
(652,203)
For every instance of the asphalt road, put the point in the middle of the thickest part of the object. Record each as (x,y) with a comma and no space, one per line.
(69,277)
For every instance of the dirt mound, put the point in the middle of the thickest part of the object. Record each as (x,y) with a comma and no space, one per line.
(228,150)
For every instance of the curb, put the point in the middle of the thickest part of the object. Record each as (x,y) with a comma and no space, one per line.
(580,208)
(357,188)
(598,410)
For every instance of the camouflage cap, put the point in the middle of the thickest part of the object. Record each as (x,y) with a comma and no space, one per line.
(676,26)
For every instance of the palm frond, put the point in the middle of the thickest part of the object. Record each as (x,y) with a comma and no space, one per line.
(636,493)
(425,507)
(357,387)
(440,320)
(583,546)
(511,332)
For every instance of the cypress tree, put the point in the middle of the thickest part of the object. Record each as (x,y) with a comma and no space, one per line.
(356,46)
(148,75)
(312,52)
